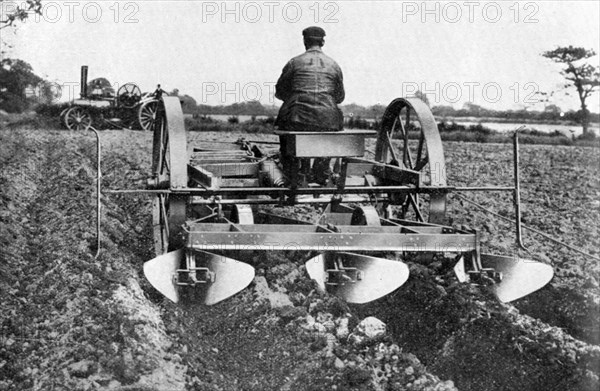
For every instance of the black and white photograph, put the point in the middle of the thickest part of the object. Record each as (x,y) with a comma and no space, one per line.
(299,195)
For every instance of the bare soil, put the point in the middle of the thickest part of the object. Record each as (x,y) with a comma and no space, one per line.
(74,322)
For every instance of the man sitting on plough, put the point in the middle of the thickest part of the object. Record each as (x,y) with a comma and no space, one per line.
(311,86)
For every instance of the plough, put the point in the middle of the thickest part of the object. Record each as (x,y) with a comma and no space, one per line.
(212,198)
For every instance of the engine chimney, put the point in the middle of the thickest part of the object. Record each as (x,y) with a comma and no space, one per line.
(84,76)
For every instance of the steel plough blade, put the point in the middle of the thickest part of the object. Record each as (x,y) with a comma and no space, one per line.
(520,277)
(231,276)
(159,272)
(356,278)
(460,271)
(228,276)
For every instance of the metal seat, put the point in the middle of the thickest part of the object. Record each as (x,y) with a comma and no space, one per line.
(345,143)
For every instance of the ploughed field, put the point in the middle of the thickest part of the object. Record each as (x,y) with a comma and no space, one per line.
(70,321)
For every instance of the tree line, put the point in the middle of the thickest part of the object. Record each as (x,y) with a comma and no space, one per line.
(17,76)
(18,82)
(354,112)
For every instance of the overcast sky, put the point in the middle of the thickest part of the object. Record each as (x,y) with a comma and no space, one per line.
(225,52)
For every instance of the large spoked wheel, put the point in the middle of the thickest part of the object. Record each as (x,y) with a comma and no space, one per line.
(129,95)
(77,118)
(409,138)
(169,168)
(147,114)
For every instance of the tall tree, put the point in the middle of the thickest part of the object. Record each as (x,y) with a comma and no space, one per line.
(16,76)
(13,11)
(584,77)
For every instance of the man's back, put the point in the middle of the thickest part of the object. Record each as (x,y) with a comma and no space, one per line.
(311,86)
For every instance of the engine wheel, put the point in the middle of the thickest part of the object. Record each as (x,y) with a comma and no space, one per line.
(129,95)
(409,138)
(77,118)
(147,114)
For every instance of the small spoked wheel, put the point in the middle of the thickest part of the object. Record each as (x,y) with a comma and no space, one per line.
(77,118)
(365,215)
(242,214)
(147,114)
(129,95)
(409,138)
(169,169)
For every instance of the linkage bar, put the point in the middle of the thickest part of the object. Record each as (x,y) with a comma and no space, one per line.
(216,237)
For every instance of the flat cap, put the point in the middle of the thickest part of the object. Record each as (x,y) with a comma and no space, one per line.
(313,32)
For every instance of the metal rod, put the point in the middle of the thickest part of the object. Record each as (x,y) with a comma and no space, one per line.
(306,190)
(261,142)
(229,201)
(136,191)
(517,190)
(98,189)
(545,235)
(238,142)
(483,188)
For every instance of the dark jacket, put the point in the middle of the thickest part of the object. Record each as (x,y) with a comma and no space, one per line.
(311,85)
